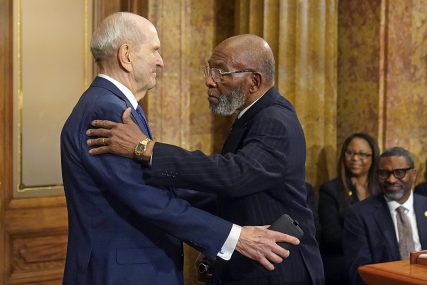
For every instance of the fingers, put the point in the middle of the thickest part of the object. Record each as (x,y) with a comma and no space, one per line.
(281,237)
(267,264)
(98,142)
(126,116)
(260,244)
(99,150)
(104,124)
(277,258)
(98,133)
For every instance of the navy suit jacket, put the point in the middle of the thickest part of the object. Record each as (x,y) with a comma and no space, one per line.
(122,231)
(421,189)
(369,234)
(258,177)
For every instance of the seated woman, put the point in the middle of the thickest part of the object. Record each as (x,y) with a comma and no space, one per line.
(356,181)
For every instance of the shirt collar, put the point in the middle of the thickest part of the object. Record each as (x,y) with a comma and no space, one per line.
(409,204)
(129,95)
(247,108)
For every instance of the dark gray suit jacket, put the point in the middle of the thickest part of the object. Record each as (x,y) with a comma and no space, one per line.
(258,177)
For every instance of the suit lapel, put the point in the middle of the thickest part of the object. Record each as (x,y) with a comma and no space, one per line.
(240,126)
(104,83)
(385,223)
(420,208)
(234,138)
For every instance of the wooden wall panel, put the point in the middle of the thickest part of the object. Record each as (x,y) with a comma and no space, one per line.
(5,127)
(33,230)
(38,256)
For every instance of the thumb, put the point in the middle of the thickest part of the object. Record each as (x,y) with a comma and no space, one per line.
(126,116)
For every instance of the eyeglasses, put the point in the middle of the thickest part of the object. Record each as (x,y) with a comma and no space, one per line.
(361,155)
(398,173)
(217,74)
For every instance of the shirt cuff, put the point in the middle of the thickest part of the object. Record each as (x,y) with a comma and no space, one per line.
(230,243)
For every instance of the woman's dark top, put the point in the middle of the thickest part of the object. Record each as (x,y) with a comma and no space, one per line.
(331,216)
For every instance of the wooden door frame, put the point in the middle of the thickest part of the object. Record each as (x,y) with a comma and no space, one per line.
(6,45)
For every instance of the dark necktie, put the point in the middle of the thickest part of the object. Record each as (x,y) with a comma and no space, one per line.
(142,115)
(404,229)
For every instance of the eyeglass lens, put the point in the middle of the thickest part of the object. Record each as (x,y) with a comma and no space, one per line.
(214,73)
(398,173)
(361,155)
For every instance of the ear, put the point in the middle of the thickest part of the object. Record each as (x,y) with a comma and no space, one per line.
(124,57)
(255,82)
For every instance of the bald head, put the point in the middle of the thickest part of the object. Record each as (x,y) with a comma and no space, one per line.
(250,51)
(115,30)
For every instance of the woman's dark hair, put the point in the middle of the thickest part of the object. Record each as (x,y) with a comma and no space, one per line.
(344,176)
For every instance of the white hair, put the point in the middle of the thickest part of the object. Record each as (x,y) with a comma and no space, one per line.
(115,30)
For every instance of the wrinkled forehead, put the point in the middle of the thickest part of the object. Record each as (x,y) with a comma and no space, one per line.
(224,58)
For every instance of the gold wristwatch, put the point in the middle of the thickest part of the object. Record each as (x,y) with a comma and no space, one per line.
(140,148)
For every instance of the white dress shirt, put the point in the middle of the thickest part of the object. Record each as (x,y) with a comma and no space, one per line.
(409,205)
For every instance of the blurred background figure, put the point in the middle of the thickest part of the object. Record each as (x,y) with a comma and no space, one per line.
(356,181)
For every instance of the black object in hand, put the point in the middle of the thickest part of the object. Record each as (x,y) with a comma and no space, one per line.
(205,271)
(289,226)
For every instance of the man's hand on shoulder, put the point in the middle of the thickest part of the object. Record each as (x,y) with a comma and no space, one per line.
(116,138)
(260,244)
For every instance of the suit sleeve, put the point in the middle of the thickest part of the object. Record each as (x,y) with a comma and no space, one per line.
(121,179)
(330,219)
(259,165)
(356,245)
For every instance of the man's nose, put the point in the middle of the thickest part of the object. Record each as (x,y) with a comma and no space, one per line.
(391,179)
(209,82)
(160,62)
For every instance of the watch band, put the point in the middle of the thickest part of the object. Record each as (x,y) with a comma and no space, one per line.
(140,148)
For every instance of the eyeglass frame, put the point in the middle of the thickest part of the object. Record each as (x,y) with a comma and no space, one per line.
(207,72)
(389,172)
(361,155)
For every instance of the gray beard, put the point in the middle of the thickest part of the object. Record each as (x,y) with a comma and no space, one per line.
(395,195)
(229,103)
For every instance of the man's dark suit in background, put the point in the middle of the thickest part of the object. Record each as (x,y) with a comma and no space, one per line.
(370,236)
(421,189)
(373,228)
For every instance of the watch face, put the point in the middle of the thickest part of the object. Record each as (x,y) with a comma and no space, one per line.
(140,148)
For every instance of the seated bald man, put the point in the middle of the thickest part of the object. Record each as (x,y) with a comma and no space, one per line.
(259,174)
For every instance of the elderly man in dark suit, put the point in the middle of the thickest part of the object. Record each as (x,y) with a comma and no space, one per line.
(388,226)
(260,173)
(121,230)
